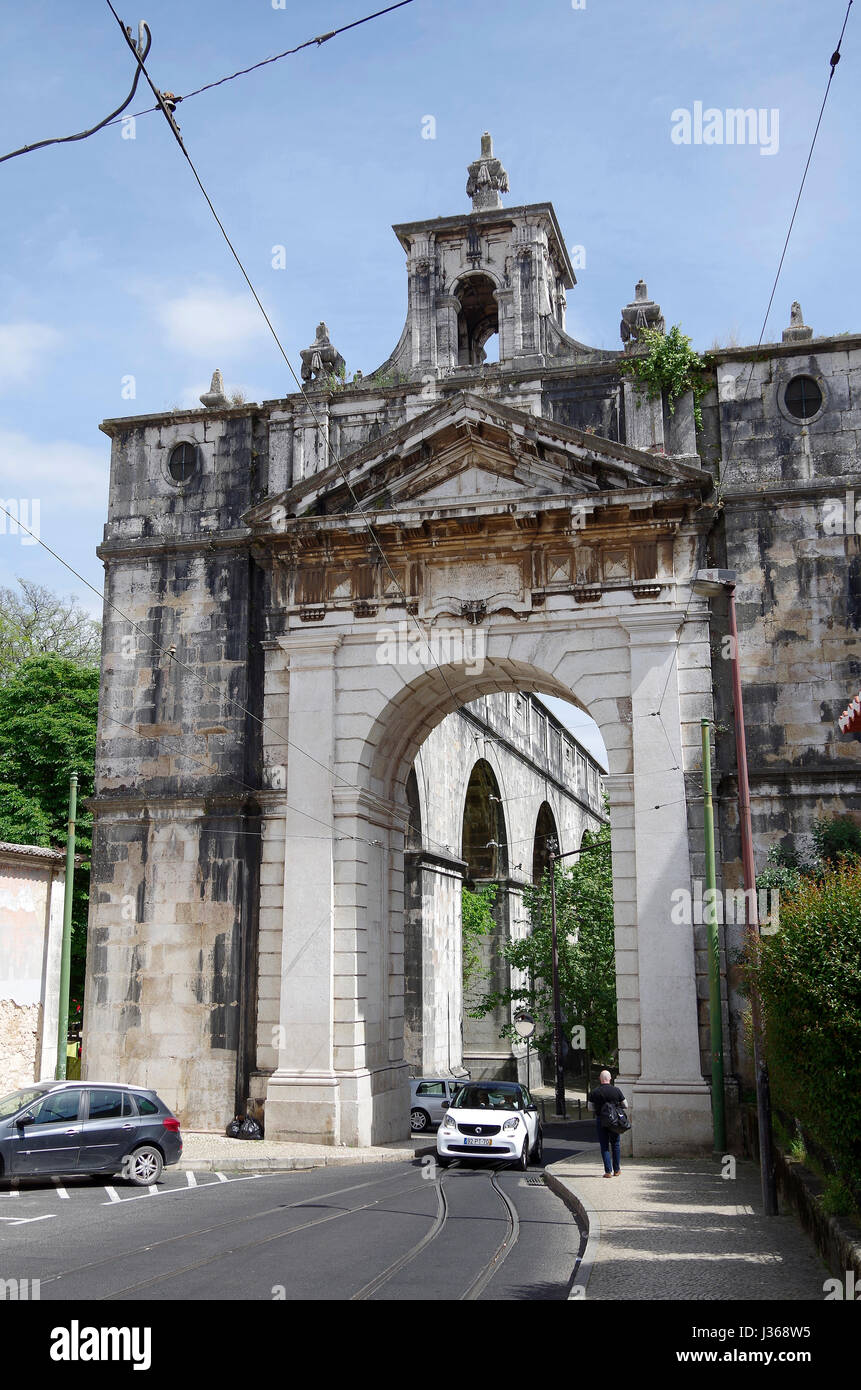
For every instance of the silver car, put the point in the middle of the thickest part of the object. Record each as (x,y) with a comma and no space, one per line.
(430,1097)
(56,1127)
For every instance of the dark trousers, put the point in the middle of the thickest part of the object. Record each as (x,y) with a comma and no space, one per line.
(609,1141)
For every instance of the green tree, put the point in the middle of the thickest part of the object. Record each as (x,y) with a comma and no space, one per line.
(34,622)
(48,711)
(476,924)
(585,934)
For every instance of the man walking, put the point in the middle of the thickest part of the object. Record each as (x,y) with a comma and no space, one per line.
(598,1097)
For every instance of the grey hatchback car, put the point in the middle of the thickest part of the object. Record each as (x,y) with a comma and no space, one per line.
(56,1127)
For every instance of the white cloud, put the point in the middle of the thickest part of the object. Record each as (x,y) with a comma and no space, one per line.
(207,322)
(24,349)
(63,476)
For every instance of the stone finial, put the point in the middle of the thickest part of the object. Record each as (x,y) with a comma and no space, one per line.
(641,313)
(797,332)
(214,398)
(487,178)
(321,359)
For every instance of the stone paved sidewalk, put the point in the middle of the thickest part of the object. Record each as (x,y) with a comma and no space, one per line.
(674,1229)
(217,1153)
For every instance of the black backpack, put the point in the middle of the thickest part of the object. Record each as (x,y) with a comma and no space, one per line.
(613,1117)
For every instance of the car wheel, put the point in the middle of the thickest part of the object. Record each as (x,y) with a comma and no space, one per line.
(419,1121)
(143,1166)
(523,1161)
(538,1151)
(443,1162)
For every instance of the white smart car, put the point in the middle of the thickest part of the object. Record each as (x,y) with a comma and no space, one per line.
(491,1119)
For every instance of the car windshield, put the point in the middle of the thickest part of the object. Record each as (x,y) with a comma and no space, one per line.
(16,1100)
(489,1095)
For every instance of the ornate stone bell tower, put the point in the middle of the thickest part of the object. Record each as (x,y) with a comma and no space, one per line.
(491,270)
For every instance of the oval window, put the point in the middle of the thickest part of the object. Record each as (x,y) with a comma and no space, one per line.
(182,464)
(802,397)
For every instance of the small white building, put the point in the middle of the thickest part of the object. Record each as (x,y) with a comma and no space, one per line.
(32,888)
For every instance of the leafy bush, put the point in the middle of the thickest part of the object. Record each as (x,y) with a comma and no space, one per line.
(836,836)
(809,980)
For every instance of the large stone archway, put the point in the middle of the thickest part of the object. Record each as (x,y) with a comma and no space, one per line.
(571,567)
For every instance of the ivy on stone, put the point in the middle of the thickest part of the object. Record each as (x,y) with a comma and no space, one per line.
(668,366)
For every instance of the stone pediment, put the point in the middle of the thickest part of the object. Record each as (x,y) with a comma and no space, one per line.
(470,453)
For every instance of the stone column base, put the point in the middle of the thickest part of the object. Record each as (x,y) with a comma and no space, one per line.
(356,1109)
(668,1117)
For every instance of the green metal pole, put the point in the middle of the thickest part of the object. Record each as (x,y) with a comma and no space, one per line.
(718,1117)
(66,958)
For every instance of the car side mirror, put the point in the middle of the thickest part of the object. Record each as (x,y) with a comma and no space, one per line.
(26,1119)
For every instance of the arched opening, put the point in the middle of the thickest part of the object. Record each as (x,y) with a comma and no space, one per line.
(345,923)
(477,321)
(483,843)
(546,839)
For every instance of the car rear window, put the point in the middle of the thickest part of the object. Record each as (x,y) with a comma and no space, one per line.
(145,1106)
(106,1105)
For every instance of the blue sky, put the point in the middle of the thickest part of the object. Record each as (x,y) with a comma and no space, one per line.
(111,266)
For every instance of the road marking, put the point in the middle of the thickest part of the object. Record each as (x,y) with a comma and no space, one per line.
(152,1189)
(15,1190)
(113,1194)
(191,1178)
(221,1177)
(181,1191)
(26,1220)
(61,1191)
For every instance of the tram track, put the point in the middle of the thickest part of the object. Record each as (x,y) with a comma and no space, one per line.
(442,1221)
(488,1269)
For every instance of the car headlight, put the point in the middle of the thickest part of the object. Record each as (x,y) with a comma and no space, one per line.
(449,1123)
(512,1123)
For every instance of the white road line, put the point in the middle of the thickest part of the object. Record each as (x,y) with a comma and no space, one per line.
(26,1220)
(113,1194)
(181,1191)
(61,1191)
(152,1189)
(222,1177)
(191,1178)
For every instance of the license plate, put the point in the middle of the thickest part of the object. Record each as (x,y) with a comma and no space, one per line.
(480,1143)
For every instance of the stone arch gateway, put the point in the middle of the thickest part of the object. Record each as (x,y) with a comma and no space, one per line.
(501,538)
(345,567)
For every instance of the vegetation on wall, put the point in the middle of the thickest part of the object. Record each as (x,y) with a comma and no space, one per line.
(669,367)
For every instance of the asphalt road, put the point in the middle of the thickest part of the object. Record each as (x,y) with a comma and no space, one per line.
(367,1231)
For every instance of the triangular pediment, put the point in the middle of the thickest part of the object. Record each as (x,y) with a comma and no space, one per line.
(470,452)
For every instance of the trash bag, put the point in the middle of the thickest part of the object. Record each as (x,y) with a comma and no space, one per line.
(250,1129)
(233,1129)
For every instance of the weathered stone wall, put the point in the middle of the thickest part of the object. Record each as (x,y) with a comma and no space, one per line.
(788,532)
(176,844)
(31,937)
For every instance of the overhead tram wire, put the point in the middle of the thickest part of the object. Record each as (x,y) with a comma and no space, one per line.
(115,118)
(108,120)
(730,459)
(165,105)
(834,60)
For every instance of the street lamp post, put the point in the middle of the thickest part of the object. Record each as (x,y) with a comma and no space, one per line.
(709,583)
(524,1027)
